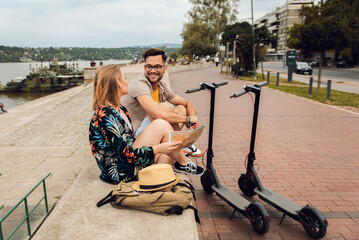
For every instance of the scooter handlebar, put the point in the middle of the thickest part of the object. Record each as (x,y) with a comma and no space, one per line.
(220,83)
(206,85)
(261,84)
(235,95)
(192,90)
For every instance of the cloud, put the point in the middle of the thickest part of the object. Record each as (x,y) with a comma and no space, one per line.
(91,23)
(102,23)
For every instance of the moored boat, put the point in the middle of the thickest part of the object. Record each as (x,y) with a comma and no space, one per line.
(54,78)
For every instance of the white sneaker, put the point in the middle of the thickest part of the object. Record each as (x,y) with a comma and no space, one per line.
(192,151)
(190,168)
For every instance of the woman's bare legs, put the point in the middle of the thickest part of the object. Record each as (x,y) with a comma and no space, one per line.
(158,132)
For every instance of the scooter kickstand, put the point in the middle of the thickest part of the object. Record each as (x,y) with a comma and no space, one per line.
(281,220)
(234,211)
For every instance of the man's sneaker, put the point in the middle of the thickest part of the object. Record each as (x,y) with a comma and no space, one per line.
(192,151)
(190,168)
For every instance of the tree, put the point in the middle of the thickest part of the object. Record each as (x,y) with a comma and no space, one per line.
(320,31)
(174,56)
(196,40)
(347,13)
(214,15)
(244,49)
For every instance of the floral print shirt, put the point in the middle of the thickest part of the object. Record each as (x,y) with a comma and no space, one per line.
(111,141)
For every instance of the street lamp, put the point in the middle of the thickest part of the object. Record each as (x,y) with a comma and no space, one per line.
(254,51)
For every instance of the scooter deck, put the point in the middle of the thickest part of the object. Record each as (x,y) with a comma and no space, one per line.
(231,197)
(281,203)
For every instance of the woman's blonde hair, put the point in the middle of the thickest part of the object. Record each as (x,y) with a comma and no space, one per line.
(106,89)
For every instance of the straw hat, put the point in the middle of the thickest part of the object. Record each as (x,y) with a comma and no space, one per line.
(156,177)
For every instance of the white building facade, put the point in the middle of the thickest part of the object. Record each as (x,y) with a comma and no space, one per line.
(278,22)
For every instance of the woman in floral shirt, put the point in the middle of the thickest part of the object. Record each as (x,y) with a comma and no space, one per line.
(117,152)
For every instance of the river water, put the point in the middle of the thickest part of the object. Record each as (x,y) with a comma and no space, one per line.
(9,71)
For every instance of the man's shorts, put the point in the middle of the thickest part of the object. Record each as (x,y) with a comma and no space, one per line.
(143,126)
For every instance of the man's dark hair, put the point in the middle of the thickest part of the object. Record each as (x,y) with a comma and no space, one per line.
(154,52)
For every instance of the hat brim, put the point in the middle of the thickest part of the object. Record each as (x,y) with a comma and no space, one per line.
(136,185)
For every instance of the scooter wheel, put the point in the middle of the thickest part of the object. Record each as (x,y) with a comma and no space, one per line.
(246,184)
(313,222)
(207,182)
(259,217)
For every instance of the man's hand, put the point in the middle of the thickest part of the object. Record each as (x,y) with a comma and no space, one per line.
(194,122)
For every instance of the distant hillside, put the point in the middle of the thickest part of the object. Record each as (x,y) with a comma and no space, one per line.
(168,45)
(18,54)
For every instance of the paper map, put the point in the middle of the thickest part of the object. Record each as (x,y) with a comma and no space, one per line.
(186,137)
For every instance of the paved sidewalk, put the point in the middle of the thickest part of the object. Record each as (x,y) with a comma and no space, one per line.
(307,151)
(50,134)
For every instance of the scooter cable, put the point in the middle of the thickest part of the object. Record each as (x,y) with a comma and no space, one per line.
(251,97)
(257,171)
(245,164)
(203,162)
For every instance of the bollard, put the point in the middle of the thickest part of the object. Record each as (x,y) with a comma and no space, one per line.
(310,86)
(290,73)
(329,85)
(268,76)
(277,83)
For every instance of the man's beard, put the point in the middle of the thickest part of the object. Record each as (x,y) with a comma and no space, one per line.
(159,78)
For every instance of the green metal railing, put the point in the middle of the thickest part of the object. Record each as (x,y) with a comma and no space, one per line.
(27,217)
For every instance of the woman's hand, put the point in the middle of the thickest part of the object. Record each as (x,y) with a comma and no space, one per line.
(166,148)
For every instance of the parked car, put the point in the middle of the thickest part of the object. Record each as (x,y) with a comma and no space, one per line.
(314,63)
(340,63)
(303,67)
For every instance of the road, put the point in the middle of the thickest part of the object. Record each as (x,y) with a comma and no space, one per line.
(337,74)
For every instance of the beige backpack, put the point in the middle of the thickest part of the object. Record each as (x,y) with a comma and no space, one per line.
(165,200)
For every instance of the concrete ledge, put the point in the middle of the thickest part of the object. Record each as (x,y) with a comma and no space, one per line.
(77,216)
(190,67)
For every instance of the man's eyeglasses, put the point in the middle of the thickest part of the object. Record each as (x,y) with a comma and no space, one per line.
(157,67)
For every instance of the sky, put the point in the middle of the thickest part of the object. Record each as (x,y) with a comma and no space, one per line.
(103,23)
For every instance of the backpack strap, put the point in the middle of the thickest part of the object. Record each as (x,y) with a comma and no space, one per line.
(189,184)
(195,213)
(109,198)
(175,209)
(190,187)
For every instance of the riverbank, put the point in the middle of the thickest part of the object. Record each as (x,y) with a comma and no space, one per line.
(9,71)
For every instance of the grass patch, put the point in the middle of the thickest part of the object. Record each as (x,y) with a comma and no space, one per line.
(338,98)
(300,89)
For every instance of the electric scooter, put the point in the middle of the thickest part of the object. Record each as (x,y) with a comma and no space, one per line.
(313,221)
(254,211)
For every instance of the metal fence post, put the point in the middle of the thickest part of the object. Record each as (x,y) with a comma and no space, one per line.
(277,83)
(310,86)
(45,196)
(268,76)
(329,85)
(27,217)
(1,236)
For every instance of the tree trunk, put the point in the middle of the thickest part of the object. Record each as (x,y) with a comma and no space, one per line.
(321,61)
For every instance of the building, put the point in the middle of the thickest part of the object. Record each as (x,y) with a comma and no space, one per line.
(278,22)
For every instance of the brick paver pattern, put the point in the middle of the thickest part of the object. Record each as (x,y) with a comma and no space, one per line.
(306,151)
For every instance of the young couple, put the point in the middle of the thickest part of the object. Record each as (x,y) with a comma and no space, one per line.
(122,145)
